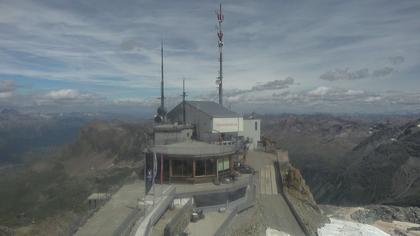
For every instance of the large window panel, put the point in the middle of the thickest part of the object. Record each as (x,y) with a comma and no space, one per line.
(223,164)
(210,167)
(182,168)
(200,168)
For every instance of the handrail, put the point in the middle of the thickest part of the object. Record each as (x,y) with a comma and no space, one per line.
(158,214)
(249,202)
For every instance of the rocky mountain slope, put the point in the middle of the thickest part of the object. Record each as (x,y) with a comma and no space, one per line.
(384,168)
(316,143)
(101,144)
(353,161)
(52,190)
(301,197)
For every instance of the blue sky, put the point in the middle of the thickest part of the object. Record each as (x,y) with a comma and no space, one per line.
(280,56)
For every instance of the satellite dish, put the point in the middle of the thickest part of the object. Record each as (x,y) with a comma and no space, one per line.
(218,81)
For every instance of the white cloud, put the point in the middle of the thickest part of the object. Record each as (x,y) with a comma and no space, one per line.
(354,92)
(373,99)
(320,91)
(7,88)
(273,85)
(116,45)
(6,94)
(7,85)
(64,94)
(68,97)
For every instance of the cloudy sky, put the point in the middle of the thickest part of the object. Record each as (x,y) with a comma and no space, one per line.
(280,56)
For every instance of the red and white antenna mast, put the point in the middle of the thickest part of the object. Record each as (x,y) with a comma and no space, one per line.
(219,81)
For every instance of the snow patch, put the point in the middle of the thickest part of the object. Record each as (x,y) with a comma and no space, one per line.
(347,228)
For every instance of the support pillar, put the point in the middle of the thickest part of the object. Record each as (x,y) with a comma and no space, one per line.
(170,171)
(161,168)
(217,169)
(193,170)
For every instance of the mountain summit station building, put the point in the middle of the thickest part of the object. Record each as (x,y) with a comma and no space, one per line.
(199,142)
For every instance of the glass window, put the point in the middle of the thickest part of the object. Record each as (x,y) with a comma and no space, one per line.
(223,164)
(256,125)
(210,167)
(200,168)
(182,168)
(206,167)
(226,163)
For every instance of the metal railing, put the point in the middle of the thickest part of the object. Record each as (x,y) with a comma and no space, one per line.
(198,150)
(158,213)
(249,202)
(280,189)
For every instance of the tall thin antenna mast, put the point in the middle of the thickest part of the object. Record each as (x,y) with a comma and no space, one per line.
(184,119)
(161,111)
(219,81)
(162,93)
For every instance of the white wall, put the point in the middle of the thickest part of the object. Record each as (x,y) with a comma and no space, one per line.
(250,132)
(227,125)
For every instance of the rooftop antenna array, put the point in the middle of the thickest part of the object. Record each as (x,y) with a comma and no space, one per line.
(161,111)
(219,81)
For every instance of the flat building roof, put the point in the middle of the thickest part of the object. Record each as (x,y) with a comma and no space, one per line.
(194,149)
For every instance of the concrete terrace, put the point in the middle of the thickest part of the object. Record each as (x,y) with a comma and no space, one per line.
(271,210)
(110,216)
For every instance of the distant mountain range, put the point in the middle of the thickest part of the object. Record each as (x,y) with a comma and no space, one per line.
(22,134)
(353,160)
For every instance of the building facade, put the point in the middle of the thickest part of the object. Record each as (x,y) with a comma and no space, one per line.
(251,132)
(199,143)
(211,120)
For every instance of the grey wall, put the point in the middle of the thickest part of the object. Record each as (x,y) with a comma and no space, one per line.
(201,120)
(162,138)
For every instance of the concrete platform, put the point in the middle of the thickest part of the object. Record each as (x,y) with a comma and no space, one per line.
(110,216)
(209,225)
(271,209)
